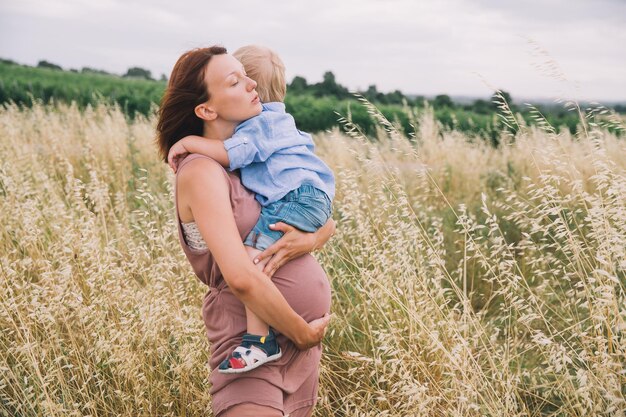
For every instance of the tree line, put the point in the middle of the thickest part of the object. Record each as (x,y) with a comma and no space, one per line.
(315,106)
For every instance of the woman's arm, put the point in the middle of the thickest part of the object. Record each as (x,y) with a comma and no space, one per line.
(209,202)
(292,244)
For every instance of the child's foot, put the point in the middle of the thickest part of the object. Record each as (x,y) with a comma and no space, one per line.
(253,352)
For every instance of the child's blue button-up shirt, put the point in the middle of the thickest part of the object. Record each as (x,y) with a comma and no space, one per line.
(275,157)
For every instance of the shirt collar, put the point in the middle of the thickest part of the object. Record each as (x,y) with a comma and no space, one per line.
(275,106)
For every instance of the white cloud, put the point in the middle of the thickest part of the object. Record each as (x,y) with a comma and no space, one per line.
(423,47)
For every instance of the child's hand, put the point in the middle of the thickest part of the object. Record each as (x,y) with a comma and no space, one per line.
(177,152)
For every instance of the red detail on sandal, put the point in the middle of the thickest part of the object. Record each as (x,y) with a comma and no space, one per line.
(237,363)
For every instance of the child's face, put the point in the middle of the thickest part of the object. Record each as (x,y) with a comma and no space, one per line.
(232,92)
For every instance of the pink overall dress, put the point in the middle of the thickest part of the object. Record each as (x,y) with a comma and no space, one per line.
(291,382)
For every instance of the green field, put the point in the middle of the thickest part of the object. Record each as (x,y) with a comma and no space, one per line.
(313,111)
(23,85)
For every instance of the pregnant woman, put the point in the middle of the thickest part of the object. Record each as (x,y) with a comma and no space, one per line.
(208,95)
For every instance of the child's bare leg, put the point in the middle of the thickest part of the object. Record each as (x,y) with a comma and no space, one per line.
(254,322)
(258,345)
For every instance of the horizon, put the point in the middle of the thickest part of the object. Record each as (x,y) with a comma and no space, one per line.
(457,98)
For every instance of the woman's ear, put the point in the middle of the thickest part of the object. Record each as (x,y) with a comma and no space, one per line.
(205,112)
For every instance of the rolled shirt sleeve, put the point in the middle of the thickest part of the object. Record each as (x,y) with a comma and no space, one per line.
(249,143)
(239,150)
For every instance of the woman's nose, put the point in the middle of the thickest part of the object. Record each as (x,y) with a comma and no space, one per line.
(251,84)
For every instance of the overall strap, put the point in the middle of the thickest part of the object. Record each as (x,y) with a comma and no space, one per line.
(190,158)
(187,250)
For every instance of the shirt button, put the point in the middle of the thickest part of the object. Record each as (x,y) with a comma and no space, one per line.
(245,140)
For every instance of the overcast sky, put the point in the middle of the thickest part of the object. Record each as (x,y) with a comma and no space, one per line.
(533,49)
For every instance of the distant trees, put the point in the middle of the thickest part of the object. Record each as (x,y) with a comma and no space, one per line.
(49,65)
(138,72)
(481,106)
(88,70)
(372,93)
(329,87)
(312,113)
(313,105)
(395,97)
(298,85)
(443,100)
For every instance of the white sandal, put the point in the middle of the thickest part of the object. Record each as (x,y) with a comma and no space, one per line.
(253,356)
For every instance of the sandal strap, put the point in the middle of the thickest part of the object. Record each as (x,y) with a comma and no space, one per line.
(260,342)
(248,337)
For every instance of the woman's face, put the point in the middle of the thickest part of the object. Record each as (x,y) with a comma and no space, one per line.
(233,94)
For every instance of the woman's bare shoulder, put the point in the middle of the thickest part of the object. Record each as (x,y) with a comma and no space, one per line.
(200,170)
(199,180)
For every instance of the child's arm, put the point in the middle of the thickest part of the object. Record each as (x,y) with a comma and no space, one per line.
(212,148)
(258,138)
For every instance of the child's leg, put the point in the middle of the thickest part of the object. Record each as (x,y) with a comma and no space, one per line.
(254,322)
(307,208)
(259,344)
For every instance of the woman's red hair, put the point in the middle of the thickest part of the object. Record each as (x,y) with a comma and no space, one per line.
(185,90)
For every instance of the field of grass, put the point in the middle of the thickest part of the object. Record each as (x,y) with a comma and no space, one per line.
(25,86)
(467,280)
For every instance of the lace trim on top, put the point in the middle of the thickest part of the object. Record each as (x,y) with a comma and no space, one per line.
(193,237)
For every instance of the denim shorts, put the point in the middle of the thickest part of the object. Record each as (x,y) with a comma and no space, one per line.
(306,208)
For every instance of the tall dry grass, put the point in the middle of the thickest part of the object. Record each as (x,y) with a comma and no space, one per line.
(467,280)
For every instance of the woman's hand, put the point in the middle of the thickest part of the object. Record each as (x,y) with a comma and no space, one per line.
(292,244)
(317,329)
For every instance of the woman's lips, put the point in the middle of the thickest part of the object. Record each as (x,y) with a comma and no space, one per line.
(255,100)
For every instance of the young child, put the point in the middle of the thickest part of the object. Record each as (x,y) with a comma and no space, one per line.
(277,162)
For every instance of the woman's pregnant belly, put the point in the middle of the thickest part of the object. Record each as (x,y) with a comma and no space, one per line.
(301,281)
(305,286)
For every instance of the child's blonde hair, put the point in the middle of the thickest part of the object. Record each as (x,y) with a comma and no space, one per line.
(266,68)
